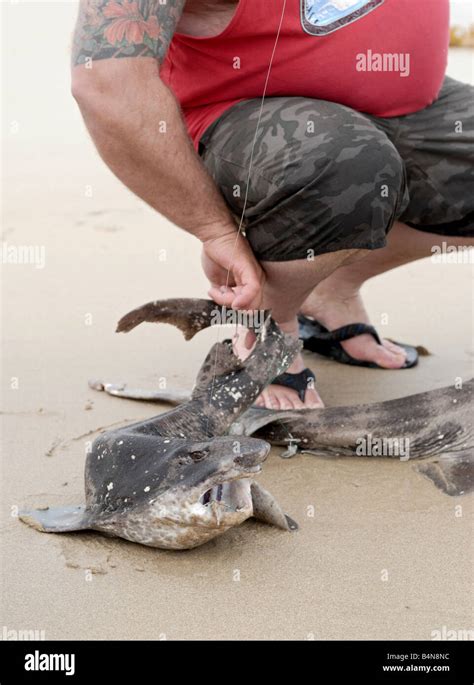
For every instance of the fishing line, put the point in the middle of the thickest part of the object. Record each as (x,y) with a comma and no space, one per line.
(249,173)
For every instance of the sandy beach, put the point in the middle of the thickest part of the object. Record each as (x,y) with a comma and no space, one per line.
(385,556)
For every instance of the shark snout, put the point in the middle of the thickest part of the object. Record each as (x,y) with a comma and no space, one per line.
(252,453)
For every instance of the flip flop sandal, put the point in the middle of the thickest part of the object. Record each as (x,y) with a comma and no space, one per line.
(317,338)
(296,381)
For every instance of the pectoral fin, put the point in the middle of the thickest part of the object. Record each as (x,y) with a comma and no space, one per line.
(57,519)
(452,473)
(267,509)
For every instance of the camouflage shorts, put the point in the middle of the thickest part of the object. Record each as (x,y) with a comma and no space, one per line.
(324,177)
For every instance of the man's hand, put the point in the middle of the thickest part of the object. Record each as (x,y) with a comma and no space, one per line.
(228,260)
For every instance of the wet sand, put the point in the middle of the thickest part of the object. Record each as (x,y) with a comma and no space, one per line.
(385,556)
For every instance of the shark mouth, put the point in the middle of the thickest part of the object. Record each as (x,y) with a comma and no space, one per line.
(234,494)
(214,493)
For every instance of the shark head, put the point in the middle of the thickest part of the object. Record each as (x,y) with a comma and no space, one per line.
(178,494)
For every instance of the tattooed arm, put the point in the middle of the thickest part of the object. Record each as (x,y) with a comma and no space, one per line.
(119,46)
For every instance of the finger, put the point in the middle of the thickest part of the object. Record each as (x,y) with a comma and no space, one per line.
(247,296)
(249,278)
(221,295)
(250,339)
(219,277)
(216,273)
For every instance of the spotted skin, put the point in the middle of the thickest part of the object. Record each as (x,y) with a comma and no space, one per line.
(178,479)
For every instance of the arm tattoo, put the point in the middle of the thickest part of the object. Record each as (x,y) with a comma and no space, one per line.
(125,28)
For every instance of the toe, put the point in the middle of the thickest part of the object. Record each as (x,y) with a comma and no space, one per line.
(278,397)
(285,402)
(269,399)
(365,348)
(313,400)
(292,401)
(392,347)
(388,359)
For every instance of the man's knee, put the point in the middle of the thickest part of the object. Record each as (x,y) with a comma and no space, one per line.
(365,183)
(341,188)
(349,161)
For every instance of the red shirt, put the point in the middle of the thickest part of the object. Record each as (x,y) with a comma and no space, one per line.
(202,74)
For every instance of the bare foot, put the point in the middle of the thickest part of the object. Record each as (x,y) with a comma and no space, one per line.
(277,396)
(338,307)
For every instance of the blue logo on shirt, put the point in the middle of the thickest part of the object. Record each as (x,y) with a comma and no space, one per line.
(320,17)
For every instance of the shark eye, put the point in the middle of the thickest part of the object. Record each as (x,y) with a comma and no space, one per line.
(197,455)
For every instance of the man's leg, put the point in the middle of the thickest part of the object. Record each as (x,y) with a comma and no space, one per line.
(325,186)
(287,286)
(337,300)
(436,145)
